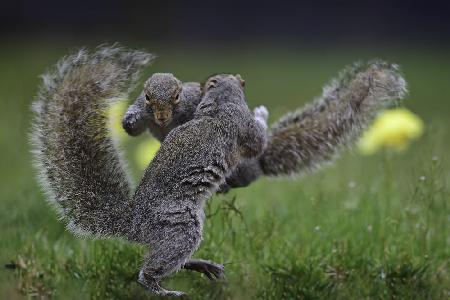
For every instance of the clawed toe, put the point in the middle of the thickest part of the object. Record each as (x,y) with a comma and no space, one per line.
(217,270)
(212,271)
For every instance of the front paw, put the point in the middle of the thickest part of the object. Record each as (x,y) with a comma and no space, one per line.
(129,123)
(261,114)
(130,117)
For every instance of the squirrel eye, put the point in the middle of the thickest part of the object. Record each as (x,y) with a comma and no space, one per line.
(147,99)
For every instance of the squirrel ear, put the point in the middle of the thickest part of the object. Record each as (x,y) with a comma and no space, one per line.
(210,84)
(239,77)
(147,99)
(176,99)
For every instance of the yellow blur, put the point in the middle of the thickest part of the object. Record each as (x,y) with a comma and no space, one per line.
(145,152)
(115,114)
(392,129)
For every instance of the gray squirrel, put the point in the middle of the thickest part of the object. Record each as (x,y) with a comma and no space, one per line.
(84,175)
(300,140)
(164,104)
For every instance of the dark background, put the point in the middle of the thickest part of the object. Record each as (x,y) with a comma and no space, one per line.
(200,23)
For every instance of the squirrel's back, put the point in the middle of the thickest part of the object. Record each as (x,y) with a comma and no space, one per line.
(80,166)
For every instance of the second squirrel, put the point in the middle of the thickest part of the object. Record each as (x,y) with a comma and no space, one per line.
(164,104)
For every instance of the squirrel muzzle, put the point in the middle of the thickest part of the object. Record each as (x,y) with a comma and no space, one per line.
(163,117)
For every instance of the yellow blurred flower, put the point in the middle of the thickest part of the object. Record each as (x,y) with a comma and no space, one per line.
(115,114)
(145,152)
(393,129)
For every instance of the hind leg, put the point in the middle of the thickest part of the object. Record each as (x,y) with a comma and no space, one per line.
(206,267)
(171,246)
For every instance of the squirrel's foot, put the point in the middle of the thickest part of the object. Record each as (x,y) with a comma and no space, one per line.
(261,115)
(209,268)
(153,286)
(129,118)
(224,188)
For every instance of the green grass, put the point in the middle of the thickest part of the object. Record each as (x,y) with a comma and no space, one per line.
(363,228)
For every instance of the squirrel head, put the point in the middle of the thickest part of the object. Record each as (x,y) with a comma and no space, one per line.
(221,89)
(162,94)
(224,87)
(227,81)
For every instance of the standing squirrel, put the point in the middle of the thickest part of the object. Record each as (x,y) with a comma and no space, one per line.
(84,176)
(300,140)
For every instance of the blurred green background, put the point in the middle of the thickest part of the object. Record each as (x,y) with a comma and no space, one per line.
(332,233)
(365,227)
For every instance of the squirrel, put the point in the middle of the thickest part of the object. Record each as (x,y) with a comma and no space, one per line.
(299,141)
(164,104)
(84,176)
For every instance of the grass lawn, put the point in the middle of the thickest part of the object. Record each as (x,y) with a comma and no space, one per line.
(362,228)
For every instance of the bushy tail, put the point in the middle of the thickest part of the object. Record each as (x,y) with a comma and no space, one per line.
(80,166)
(304,139)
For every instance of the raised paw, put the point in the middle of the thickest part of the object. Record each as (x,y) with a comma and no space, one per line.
(129,118)
(134,122)
(211,269)
(261,114)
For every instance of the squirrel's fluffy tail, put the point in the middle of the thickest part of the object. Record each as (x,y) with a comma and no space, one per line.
(304,139)
(80,167)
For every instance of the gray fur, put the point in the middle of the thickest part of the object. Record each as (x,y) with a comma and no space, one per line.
(141,115)
(303,140)
(82,171)
(80,167)
(193,161)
